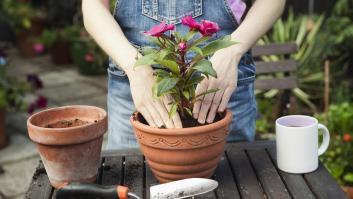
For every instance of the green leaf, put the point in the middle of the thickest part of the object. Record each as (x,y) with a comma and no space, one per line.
(163,53)
(146,60)
(173,110)
(197,50)
(186,94)
(153,40)
(188,111)
(348,177)
(207,92)
(171,65)
(148,50)
(199,41)
(161,73)
(194,80)
(217,45)
(190,35)
(205,67)
(166,85)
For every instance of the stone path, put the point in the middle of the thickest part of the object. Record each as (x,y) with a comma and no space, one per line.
(63,85)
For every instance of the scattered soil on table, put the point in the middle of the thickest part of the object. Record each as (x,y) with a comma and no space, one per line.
(68,123)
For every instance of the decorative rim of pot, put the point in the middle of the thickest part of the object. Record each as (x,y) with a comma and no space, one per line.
(88,131)
(181,131)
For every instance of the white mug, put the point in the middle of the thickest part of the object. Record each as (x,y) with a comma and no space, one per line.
(297,143)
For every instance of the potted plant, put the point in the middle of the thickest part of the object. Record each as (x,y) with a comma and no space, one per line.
(87,55)
(69,141)
(195,150)
(338,159)
(13,93)
(58,43)
(27,21)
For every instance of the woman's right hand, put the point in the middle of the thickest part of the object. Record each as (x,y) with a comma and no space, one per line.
(154,110)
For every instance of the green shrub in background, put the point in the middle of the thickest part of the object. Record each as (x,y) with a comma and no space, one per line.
(303,30)
(51,36)
(20,15)
(338,159)
(87,55)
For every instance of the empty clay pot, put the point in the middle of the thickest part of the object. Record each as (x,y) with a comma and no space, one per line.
(69,154)
(175,154)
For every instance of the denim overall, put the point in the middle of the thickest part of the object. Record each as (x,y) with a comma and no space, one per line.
(136,16)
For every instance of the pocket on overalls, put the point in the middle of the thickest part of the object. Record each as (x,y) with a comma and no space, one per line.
(171,11)
(246,70)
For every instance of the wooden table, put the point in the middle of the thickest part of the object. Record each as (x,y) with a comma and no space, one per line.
(247,170)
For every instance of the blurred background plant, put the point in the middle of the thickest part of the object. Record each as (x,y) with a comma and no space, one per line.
(339,159)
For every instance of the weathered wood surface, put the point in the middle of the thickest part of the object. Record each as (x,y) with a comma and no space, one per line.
(274,49)
(276,83)
(246,170)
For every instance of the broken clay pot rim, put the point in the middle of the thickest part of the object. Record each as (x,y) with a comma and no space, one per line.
(31,118)
(181,131)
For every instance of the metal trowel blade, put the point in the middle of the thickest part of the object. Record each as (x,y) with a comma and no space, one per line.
(183,188)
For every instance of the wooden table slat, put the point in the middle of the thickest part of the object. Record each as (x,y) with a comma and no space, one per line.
(267,174)
(227,187)
(134,174)
(40,186)
(112,171)
(296,184)
(150,180)
(248,185)
(323,185)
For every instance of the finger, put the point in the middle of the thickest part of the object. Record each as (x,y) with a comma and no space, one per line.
(164,114)
(168,101)
(155,116)
(205,106)
(199,89)
(147,117)
(215,104)
(225,99)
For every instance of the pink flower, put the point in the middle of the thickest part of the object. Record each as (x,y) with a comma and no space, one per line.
(41,102)
(182,46)
(89,57)
(189,21)
(159,29)
(208,28)
(38,48)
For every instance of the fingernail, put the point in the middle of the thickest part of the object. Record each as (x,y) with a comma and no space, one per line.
(201,121)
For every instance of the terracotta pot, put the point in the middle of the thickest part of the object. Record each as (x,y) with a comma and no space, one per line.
(25,44)
(175,154)
(3,137)
(69,154)
(60,53)
(348,190)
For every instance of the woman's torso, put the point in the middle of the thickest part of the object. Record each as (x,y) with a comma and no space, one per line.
(137,16)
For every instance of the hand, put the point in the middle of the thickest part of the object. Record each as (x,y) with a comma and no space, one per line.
(225,62)
(155,111)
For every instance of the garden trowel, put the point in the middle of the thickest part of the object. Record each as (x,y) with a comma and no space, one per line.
(177,189)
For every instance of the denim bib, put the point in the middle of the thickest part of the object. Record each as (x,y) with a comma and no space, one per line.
(136,16)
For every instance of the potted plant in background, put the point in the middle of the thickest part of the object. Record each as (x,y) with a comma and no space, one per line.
(338,159)
(58,43)
(87,55)
(13,94)
(195,150)
(27,21)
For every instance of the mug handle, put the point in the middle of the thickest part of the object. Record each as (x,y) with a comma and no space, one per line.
(326,139)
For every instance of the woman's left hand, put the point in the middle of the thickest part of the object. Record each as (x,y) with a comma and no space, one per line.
(225,62)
